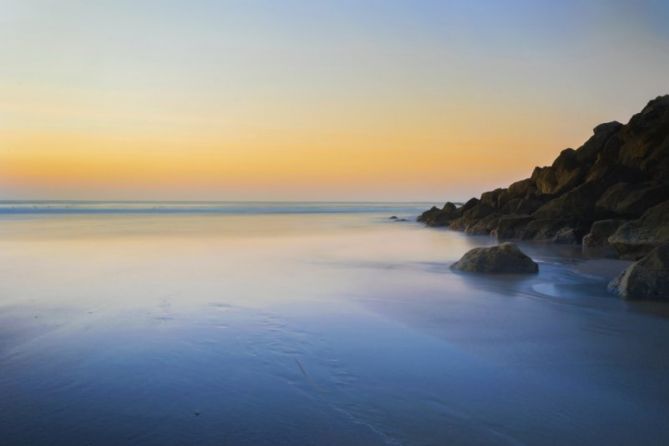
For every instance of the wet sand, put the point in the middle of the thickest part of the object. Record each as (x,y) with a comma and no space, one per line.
(313,329)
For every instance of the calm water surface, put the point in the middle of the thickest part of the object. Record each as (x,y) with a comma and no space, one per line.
(310,324)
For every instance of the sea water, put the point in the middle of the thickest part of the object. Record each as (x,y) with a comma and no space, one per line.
(138,323)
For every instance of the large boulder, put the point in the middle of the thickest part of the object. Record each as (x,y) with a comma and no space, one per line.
(636,238)
(647,278)
(505,258)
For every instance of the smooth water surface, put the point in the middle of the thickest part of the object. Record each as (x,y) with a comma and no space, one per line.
(311,327)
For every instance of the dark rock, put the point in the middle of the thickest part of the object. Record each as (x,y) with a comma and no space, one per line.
(440,217)
(429,216)
(636,238)
(527,205)
(472,215)
(610,173)
(484,225)
(394,217)
(621,171)
(589,151)
(503,258)
(567,236)
(523,188)
(491,199)
(598,237)
(459,224)
(645,140)
(472,202)
(631,200)
(548,229)
(647,278)
(565,173)
(511,227)
(479,211)
(578,203)
(449,208)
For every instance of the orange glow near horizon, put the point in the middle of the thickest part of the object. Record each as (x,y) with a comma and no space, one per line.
(384,101)
(162,148)
(210,167)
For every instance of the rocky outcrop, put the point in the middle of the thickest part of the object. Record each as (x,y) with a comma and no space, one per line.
(621,172)
(647,278)
(440,217)
(505,258)
(636,238)
(567,236)
(475,213)
(511,227)
(598,237)
(630,200)
(564,174)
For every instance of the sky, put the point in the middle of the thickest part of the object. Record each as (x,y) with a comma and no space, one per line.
(311,100)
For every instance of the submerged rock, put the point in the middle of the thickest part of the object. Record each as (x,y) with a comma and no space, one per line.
(504,258)
(647,278)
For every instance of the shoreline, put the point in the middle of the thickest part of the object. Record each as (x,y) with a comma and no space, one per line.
(610,196)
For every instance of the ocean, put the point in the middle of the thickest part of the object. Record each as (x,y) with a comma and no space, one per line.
(236,323)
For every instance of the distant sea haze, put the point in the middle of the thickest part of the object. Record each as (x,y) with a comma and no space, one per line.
(204,207)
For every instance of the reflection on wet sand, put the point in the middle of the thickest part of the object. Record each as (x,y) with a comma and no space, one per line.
(312,329)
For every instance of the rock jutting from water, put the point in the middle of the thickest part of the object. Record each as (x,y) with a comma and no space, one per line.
(647,278)
(505,258)
(604,190)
